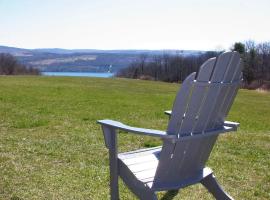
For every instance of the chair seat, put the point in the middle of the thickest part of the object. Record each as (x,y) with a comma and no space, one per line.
(142,163)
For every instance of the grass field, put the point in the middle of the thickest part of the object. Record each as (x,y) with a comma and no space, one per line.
(52,148)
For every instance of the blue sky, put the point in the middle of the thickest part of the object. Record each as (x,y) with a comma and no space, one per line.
(133,24)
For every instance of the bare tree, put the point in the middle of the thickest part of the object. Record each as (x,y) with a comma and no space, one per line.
(10,66)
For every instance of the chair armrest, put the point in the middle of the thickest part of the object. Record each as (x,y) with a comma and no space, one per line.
(142,131)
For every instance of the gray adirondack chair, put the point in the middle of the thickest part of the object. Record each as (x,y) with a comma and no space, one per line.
(196,120)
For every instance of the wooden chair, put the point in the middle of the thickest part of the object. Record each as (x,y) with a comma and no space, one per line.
(196,120)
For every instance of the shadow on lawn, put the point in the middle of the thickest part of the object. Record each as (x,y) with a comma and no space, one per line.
(170,195)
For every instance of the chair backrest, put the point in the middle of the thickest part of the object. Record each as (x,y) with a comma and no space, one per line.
(201,105)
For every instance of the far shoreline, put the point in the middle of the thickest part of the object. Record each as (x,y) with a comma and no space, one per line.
(80,74)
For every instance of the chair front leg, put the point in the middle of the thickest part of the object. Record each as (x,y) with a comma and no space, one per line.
(214,188)
(110,137)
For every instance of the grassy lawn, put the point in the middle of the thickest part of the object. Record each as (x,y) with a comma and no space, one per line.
(52,148)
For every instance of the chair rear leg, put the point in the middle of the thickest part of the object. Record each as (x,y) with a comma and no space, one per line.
(214,188)
(149,196)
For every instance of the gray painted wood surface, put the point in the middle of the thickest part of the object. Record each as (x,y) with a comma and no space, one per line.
(196,120)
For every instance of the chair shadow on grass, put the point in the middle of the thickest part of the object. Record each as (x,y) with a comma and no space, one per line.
(170,195)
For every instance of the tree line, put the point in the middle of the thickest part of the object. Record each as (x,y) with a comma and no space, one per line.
(175,68)
(256,60)
(10,66)
(165,67)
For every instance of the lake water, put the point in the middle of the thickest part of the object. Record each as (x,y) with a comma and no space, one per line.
(78,74)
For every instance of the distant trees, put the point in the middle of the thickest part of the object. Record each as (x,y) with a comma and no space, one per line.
(256,58)
(10,66)
(175,68)
(166,67)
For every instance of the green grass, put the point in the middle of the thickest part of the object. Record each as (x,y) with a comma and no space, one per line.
(52,148)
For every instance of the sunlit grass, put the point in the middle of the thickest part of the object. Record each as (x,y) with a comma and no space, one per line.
(52,148)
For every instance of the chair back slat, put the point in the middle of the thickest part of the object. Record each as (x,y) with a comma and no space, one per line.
(237,76)
(180,105)
(221,67)
(197,98)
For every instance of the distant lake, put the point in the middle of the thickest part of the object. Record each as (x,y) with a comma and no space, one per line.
(78,74)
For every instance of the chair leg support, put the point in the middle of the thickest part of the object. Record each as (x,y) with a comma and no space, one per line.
(151,196)
(111,137)
(214,188)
